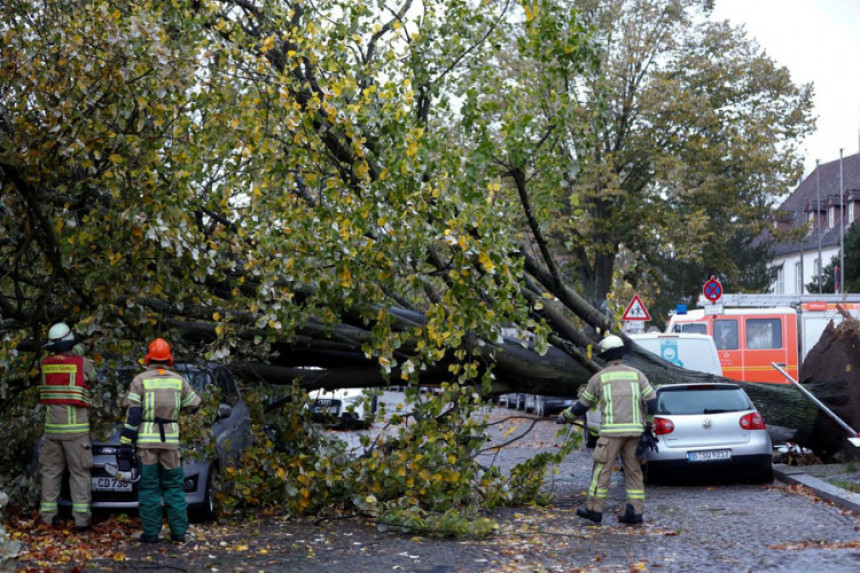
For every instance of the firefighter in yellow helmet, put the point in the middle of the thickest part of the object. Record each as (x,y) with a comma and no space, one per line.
(154,400)
(624,396)
(65,393)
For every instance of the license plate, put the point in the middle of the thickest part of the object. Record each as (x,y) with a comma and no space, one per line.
(332,409)
(322,403)
(109,484)
(709,455)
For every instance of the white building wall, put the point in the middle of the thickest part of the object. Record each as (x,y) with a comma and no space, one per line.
(789,266)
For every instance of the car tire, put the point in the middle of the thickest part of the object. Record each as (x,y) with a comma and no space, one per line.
(207,511)
(766,475)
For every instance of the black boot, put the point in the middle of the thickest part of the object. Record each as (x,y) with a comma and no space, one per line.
(594,516)
(630,517)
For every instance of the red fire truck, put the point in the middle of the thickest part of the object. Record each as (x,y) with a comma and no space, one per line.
(751,331)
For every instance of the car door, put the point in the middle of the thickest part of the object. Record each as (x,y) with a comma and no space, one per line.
(232,429)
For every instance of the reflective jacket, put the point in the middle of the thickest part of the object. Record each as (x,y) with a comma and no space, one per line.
(160,394)
(621,392)
(65,393)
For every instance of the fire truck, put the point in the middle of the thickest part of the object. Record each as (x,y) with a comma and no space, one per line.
(751,331)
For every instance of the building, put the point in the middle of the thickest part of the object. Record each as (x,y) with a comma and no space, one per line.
(816,203)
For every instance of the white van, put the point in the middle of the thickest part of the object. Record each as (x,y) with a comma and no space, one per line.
(683,349)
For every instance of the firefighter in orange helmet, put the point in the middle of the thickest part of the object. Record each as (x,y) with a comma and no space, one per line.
(65,393)
(154,400)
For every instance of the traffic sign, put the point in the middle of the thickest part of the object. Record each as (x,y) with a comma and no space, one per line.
(636,310)
(713,290)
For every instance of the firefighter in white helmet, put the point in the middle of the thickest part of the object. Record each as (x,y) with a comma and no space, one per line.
(624,396)
(65,393)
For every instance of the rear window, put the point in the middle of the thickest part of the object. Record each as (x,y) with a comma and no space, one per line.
(702,400)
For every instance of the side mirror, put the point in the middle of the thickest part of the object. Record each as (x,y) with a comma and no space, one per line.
(224,410)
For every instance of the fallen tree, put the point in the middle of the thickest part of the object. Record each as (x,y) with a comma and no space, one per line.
(831,372)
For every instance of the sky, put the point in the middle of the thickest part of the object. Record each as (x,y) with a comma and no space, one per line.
(819,42)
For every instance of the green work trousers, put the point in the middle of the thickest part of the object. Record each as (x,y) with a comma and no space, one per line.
(157,483)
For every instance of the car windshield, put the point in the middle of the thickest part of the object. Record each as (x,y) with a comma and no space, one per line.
(199,379)
(702,400)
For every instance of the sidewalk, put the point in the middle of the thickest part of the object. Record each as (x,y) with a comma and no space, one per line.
(803,475)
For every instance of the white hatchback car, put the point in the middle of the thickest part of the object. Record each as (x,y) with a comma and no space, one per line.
(706,431)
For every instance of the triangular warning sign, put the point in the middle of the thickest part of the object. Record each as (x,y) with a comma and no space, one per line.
(636,310)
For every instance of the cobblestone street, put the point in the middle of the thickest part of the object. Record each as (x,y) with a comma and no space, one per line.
(718,527)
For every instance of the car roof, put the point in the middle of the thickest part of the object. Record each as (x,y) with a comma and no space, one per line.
(698,386)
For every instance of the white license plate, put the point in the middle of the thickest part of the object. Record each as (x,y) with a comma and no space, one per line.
(709,455)
(325,409)
(109,484)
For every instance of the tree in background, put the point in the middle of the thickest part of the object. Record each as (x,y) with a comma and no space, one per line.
(852,266)
(670,143)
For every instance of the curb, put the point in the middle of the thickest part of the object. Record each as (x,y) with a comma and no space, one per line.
(841,497)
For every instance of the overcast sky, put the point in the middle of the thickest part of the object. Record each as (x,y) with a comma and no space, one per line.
(819,42)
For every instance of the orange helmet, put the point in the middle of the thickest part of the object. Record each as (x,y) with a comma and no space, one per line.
(159,351)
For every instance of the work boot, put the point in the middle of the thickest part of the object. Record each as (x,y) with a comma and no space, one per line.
(590,515)
(630,517)
(177,538)
(148,538)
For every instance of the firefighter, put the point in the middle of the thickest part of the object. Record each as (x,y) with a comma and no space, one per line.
(65,392)
(154,400)
(623,395)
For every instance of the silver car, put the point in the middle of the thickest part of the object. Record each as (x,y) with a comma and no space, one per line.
(708,431)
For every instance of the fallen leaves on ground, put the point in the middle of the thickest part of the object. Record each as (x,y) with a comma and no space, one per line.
(63,546)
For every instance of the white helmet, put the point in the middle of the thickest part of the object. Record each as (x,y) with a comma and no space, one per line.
(60,332)
(611,342)
(612,348)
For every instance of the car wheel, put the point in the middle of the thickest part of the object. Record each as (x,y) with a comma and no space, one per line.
(767,474)
(207,510)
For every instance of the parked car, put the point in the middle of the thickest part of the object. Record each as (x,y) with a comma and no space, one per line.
(688,350)
(346,407)
(231,431)
(708,431)
(551,405)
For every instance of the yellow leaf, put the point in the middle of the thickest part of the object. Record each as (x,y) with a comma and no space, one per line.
(486,262)
(345,278)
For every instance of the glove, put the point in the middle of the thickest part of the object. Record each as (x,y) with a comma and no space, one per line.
(125,458)
(648,441)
